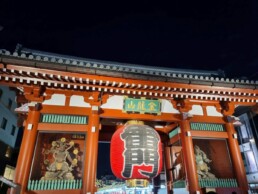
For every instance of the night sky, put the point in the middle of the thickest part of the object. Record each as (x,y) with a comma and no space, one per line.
(205,35)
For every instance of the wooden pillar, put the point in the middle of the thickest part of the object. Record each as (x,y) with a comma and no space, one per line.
(27,148)
(168,168)
(236,158)
(189,156)
(90,164)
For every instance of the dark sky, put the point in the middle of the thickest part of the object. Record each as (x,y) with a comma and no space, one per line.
(205,34)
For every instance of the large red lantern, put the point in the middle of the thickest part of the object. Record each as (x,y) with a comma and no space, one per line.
(136,152)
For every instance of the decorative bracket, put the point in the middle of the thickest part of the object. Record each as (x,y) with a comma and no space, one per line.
(186,115)
(34,106)
(228,108)
(34,94)
(96,98)
(93,98)
(182,105)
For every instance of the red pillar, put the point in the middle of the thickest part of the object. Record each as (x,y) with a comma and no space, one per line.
(90,164)
(189,157)
(236,158)
(26,150)
(168,167)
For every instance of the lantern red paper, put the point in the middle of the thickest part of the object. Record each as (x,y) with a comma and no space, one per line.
(135,152)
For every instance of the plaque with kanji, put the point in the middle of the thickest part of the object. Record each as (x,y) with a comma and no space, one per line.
(141,105)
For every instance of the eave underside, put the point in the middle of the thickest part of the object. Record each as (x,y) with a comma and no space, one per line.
(22,76)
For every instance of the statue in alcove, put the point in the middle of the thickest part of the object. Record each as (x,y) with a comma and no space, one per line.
(203,170)
(62,164)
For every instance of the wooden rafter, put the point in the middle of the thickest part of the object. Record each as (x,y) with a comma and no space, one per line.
(15,76)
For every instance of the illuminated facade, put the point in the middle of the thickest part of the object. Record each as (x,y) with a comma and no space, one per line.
(10,133)
(73,103)
(248,138)
(8,117)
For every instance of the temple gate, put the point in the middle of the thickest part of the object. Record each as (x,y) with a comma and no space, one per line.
(69,104)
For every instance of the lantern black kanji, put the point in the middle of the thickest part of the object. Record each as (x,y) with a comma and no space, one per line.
(136,152)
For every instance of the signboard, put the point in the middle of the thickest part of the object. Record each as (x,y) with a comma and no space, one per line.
(141,105)
(9,172)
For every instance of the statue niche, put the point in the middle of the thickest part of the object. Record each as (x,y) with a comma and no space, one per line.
(62,164)
(202,164)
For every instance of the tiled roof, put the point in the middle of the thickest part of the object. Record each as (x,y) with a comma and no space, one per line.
(76,64)
(115,66)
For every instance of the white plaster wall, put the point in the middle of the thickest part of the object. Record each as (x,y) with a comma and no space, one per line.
(167,107)
(114,102)
(78,101)
(56,99)
(196,110)
(211,111)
